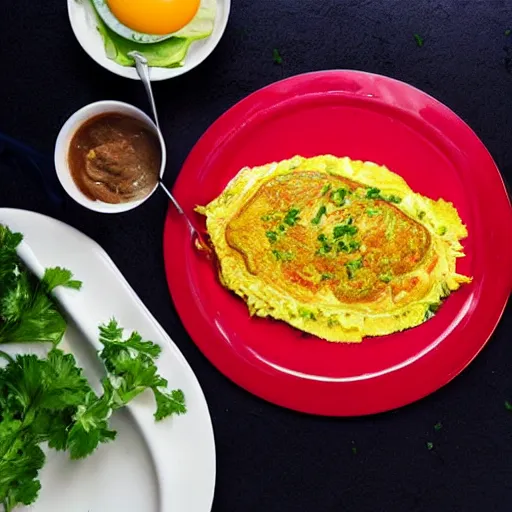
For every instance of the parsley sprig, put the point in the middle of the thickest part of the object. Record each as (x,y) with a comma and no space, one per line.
(48,400)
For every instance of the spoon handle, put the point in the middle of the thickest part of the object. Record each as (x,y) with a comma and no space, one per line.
(141,64)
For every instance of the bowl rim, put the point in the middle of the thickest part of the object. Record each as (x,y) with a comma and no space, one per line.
(66,133)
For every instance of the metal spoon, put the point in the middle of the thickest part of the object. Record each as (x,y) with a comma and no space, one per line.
(141,64)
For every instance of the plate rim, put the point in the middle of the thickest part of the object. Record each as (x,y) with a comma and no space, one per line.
(205,143)
(11,216)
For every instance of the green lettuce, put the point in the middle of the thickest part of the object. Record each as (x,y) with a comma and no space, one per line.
(169,53)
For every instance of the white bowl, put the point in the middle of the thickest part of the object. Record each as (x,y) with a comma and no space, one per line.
(83,23)
(64,140)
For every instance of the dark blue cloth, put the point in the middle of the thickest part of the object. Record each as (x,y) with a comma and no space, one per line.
(271,459)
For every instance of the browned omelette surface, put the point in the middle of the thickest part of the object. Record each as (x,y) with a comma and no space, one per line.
(332,254)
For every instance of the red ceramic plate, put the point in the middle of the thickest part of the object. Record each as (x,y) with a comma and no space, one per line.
(365,117)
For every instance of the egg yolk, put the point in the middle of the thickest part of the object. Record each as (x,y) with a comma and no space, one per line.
(155,17)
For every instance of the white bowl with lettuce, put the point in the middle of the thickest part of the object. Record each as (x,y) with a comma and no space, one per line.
(168,56)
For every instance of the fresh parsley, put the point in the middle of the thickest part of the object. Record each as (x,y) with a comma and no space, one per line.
(49,400)
(28,312)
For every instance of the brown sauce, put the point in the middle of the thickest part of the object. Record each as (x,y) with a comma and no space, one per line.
(115,158)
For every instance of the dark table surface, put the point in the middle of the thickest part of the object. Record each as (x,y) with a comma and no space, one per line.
(270,458)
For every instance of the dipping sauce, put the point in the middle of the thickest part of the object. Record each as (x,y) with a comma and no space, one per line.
(115,158)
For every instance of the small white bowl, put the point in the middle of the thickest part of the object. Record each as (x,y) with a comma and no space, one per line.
(64,140)
(83,23)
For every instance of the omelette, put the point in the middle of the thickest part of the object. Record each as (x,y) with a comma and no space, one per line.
(337,248)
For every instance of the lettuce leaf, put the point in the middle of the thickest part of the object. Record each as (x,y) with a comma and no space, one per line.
(170,53)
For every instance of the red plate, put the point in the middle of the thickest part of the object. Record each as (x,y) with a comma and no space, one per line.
(365,117)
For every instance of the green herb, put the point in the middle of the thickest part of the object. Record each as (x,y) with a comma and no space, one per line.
(393,199)
(353,265)
(508,405)
(338,196)
(332,322)
(386,277)
(349,247)
(373,193)
(419,40)
(326,276)
(309,315)
(326,247)
(292,217)
(441,230)
(326,189)
(429,445)
(282,255)
(272,236)
(169,53)
(28,312)
(508,32)
(266,218)
(281,228)
(347,228)
(49,400)
(276,56)
(372,212)
(438,426)
(421,215)
(321,211)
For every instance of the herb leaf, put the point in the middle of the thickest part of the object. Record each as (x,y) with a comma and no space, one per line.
(276,56)
(28,313)
(419,40)
(338,196)
(292,217)
(353,266)
(321,211)
(272,236)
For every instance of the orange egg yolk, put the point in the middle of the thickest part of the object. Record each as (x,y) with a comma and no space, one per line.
(156,17)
